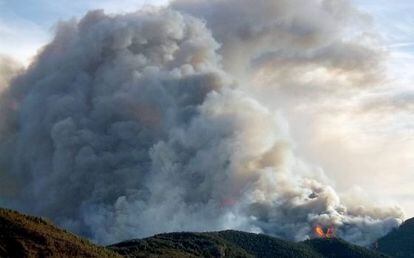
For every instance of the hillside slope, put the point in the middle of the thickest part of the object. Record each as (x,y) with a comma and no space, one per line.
(26,236)
(260,245)
(338,248)
(237,244)
(179,245)
(399,242)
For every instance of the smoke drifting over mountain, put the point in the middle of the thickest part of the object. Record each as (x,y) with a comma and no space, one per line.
(129,125)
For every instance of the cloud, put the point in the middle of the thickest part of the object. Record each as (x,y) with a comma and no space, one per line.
(133,124)
(390,103)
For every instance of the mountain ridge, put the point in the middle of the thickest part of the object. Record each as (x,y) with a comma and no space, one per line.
(232,243)
(27,236)
(398,243)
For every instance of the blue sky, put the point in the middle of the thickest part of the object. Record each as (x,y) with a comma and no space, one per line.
(394,21)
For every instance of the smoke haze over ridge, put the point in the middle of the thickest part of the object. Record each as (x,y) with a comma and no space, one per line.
(134,124)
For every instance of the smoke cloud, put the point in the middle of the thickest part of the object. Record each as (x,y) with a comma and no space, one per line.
(9,68)
(310,47)
(135,124)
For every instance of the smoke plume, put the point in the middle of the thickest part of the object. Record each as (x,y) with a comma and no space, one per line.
(135,124)
(9,68)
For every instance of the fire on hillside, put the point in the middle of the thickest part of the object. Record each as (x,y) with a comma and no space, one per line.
(324,232)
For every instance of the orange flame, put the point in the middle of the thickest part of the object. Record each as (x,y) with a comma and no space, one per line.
(319,232)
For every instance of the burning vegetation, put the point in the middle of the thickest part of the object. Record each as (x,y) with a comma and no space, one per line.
(324,232)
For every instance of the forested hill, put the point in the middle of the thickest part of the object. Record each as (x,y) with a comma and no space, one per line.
(27,236)
(400,242)
(237,244)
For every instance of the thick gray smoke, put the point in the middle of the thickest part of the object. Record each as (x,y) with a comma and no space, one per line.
(129,125)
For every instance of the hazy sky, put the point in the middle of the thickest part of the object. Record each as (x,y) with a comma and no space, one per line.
(26,25)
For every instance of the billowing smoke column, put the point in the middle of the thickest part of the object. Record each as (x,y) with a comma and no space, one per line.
(129,125)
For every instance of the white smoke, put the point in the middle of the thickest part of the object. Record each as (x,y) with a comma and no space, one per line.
(135,124)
